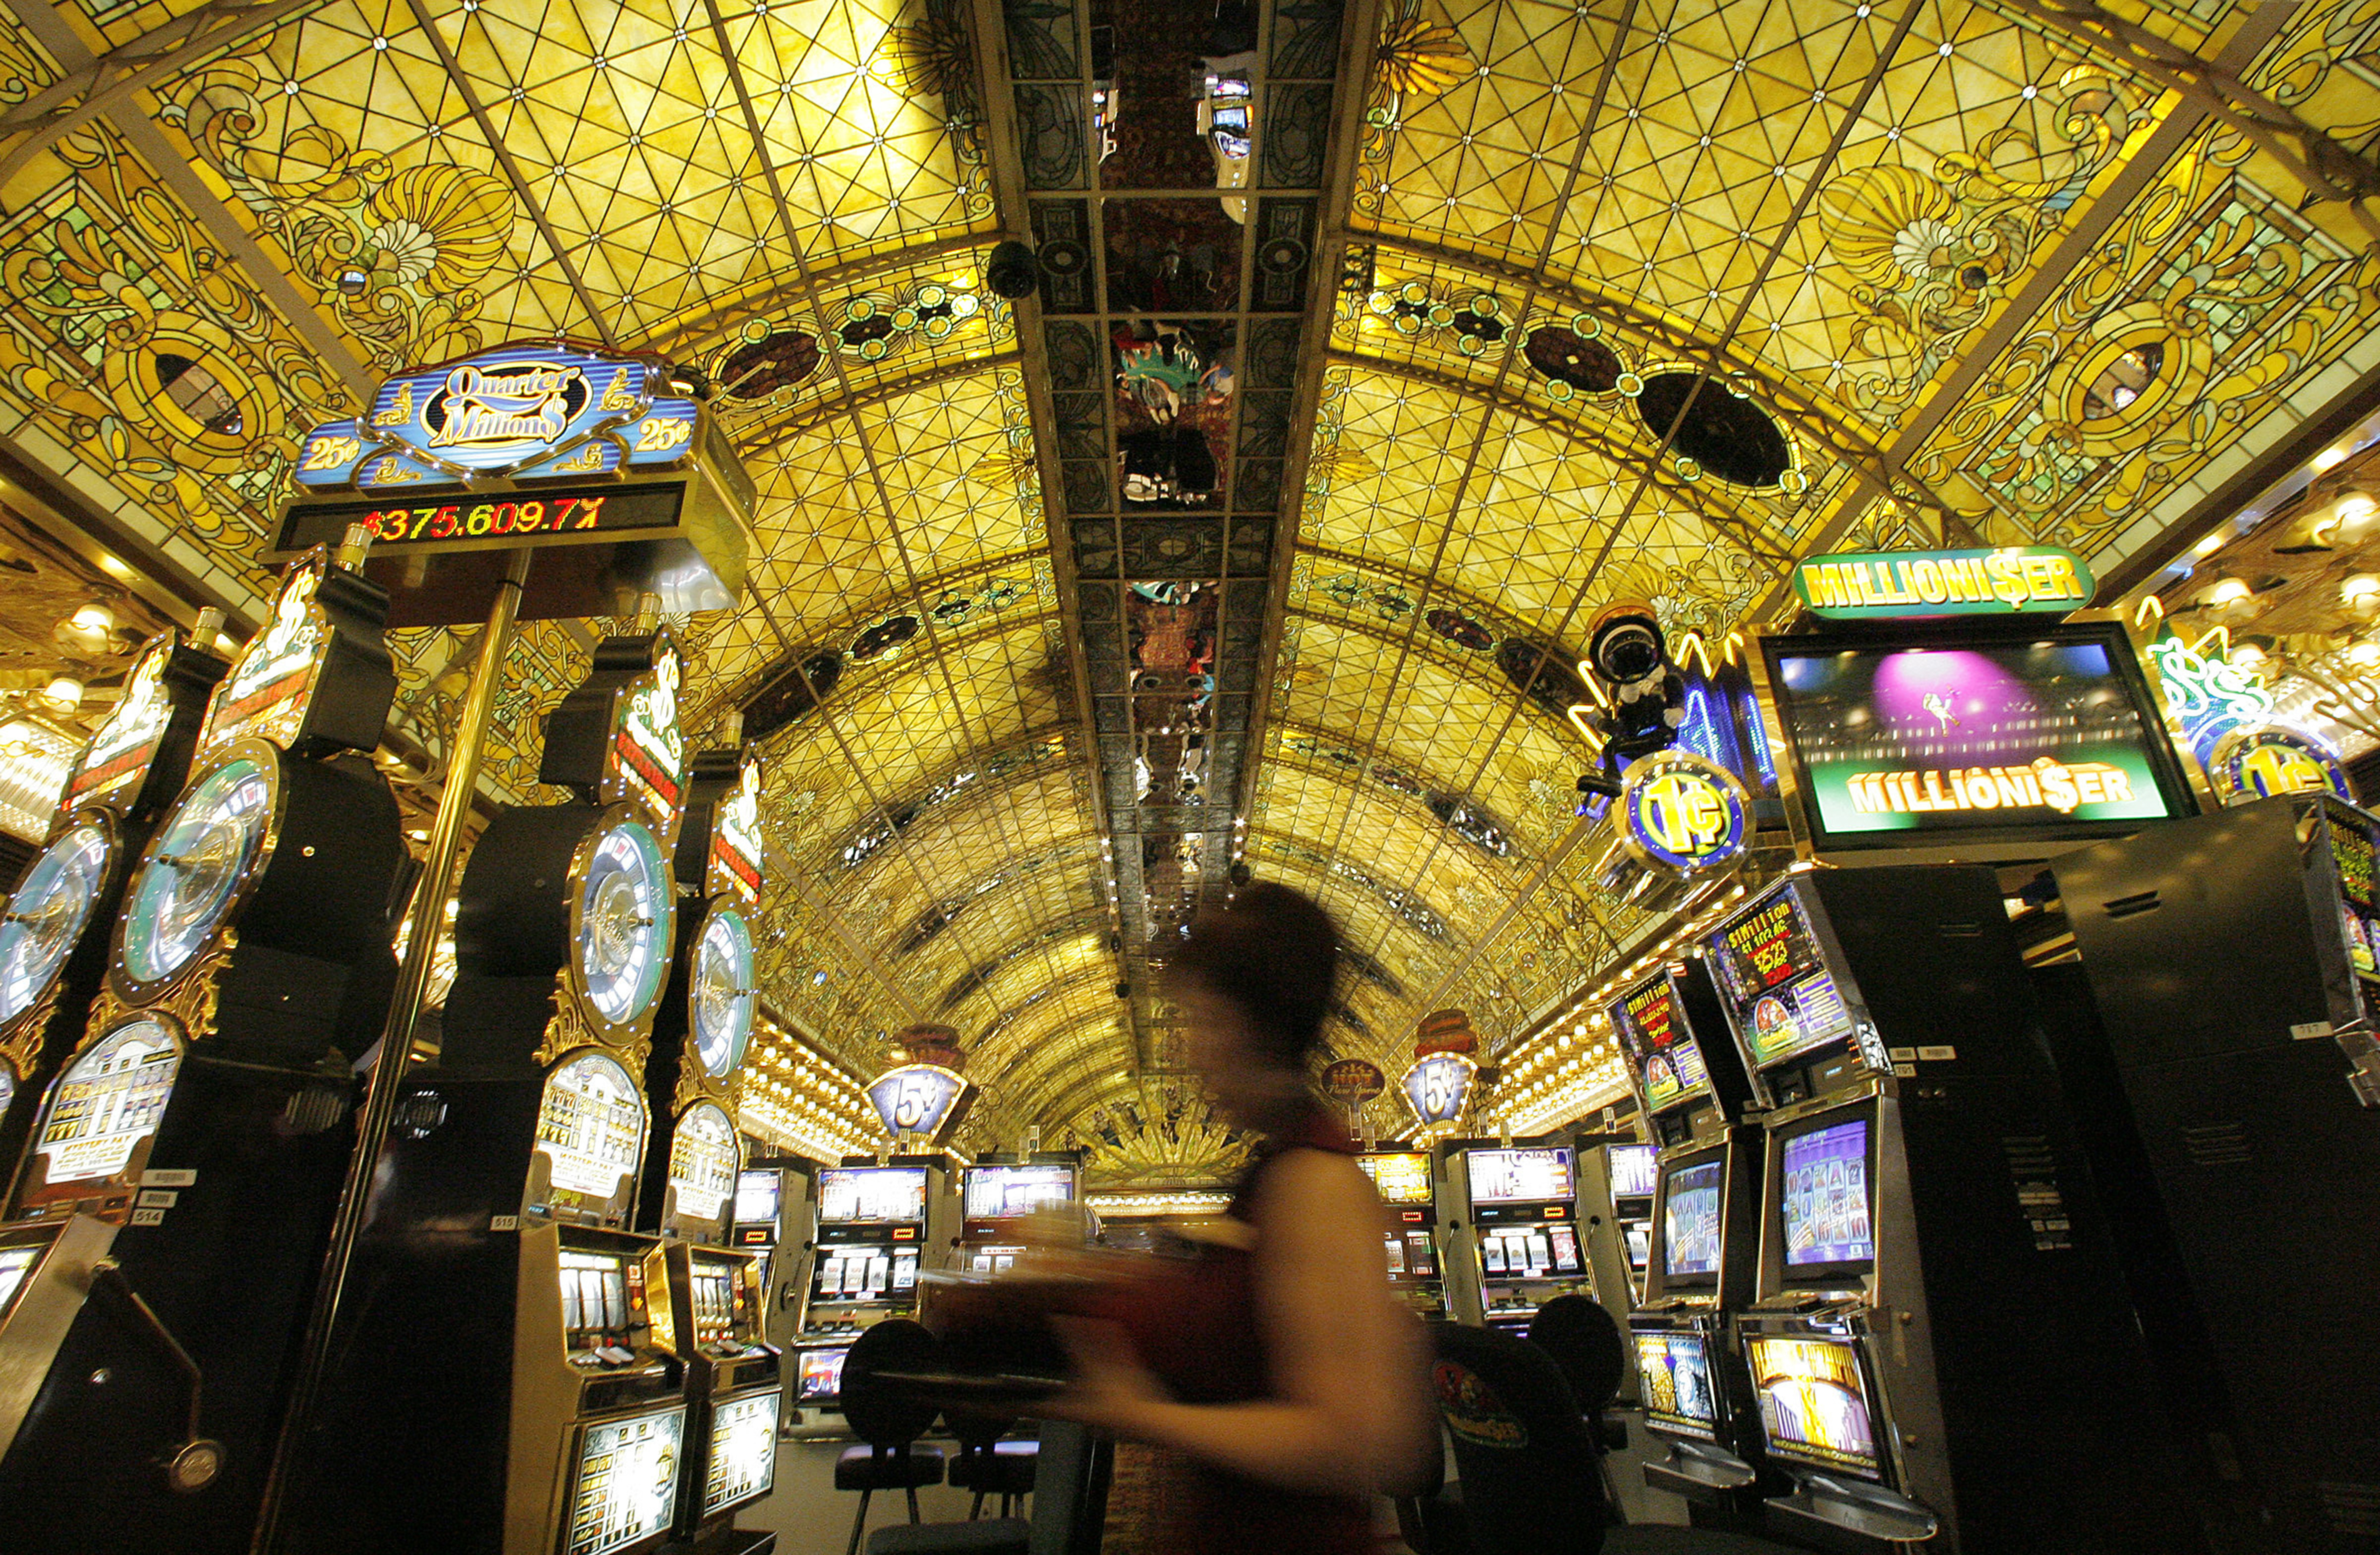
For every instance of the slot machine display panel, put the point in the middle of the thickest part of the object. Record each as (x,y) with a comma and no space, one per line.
(1408,1190)
(1674,1369)
(733,1386)
(1632,1174)
(997,1200)
(872,1239)
(1523,1210)
(623,1491)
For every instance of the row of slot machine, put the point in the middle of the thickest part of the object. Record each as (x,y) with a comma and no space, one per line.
(550,1345)
(1526,1222)
(2024,1210)
(844,1247)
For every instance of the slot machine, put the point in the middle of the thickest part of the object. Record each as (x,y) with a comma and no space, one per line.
(512,1377)
(1629,1170)
(2230,958)
(1523,1203)
(874,1231)
(54,940)
(1938,1341)
(1702,1182)
(1408,1190)
(694,1162)
(169,1219)
(1600,1227)
(999,1195)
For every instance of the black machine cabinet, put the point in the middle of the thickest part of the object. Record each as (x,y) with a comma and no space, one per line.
(1941,1343)
(2231,958)
(510,1377)
(1703,1107)
(172,1210)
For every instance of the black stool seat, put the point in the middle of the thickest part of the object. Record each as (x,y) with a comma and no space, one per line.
(900,1468)
(1005,1470)
(995,1536)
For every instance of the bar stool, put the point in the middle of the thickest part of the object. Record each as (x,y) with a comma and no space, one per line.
(887,1423)
(988,1466)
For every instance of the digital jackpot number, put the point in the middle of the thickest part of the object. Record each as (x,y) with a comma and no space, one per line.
(480,520)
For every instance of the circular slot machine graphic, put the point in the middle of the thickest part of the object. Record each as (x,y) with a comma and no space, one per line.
(195,874)
(724,996)
(623,920)
(50,911)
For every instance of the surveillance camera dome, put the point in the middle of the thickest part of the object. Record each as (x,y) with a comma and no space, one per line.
(1624,645)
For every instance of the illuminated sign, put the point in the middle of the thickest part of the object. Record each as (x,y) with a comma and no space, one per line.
(625,1488)
(1353,1081)
(646,763)
(2047,783)
(1870,586)
(1439,1085)
(466,522)
(703,1161)
(742,1451)
(1667,1063)
(2207,696)
(272,680)
(2258,762)
(590,1127)
(1684,811)
(104,1107)
(528,410)
(735,852)
(121,753)
(1401,1177)
(921,1098)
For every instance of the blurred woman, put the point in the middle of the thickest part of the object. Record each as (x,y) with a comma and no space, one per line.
(1275,1369)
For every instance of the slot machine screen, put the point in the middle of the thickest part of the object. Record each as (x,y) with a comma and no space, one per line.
(1690,1221)
(743,1452)
(1639,1235)
(1823,1197)
(1668,1063)
(2052,735)
(2351,852)
(1813,1401)
(16,1263)
(1401,1176)
(1676,1372)
(998,1192)
(1776,982)
(820,1374)
(869,1194)
(1632,1171)
(626,1487)
(758,1195)
(1521,1176)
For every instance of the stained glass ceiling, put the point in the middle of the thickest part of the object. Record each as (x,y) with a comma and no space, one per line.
(1375,344)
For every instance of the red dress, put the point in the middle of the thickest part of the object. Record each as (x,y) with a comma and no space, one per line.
(1198,1332)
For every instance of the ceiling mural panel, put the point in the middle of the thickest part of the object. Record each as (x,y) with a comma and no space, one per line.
(1358,373)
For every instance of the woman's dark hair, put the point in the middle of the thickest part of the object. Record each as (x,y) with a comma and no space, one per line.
(1274,953)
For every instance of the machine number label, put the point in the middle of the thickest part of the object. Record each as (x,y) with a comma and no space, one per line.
(148,1217)
(169,1177)
(2311,1030)
(504,1222)
(1905,1070)
(157,1198)
(1937,1055)
(1902,1055)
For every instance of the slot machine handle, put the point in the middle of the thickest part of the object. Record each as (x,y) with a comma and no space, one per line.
(195,1461)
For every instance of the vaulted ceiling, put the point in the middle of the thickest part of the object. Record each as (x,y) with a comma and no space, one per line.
(1376,344)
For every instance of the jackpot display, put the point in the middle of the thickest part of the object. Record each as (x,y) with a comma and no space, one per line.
(861,1195)
(1401,1177)
(1522,1176)
(999,1193)
(1978,739)
(1668,1065)
(1775,979)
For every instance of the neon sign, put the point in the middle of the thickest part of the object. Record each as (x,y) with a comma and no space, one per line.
(272,680)
(1873,586)
(2205,694)
(528,410)
(127,742)
(647,764)
(1685,810)
(1438,1087)
(2258,762)
(736,849)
